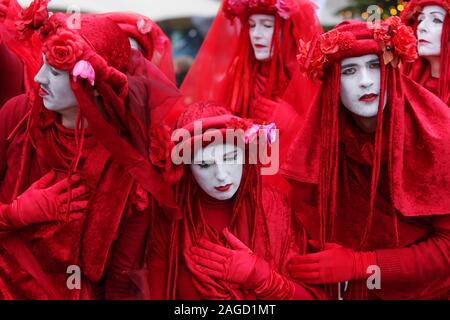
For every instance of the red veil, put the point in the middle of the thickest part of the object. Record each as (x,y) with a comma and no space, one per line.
(12,74)
(154,43)
(225,69)
(419,71)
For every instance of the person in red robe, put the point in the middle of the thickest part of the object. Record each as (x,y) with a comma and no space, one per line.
(147,37)
(370,170)
(12,74)
(232,237)
(253,45)
(78,143)
(431,22)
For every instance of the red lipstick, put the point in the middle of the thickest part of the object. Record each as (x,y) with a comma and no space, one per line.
(224,188)
(369,98)
(42,93)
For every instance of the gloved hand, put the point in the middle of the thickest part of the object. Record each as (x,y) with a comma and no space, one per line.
(264,108)
(334,264)
(41,203)
(238,265)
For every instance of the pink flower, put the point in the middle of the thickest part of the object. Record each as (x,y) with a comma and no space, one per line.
(268,132)
(251,133)
(144,26)
(286,8)
(84,70)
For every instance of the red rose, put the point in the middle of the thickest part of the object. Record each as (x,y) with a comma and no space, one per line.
(329,42)
(63,49)
(235,7)
(383,34)
(32,18)
(405,44)
(161,146)
(312,66)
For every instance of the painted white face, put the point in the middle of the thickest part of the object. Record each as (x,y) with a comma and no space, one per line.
(429,31)
(55,88)
(218,170)
(360,85)
(261,34)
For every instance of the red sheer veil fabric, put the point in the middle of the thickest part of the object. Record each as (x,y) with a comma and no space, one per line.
(419,71)
(225,68)
(154,43)
(14,79)
(411,136)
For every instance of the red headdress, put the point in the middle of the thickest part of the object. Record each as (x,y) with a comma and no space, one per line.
(154,43)
(420,70)
(226,70)
(410,138)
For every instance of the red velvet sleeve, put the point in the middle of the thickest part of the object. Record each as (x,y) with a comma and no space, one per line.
(10,116)
(124,277)
(158,259)
(426,261)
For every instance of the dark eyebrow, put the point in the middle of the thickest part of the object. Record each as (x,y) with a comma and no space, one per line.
(434,12)
(349,65)
(374,61)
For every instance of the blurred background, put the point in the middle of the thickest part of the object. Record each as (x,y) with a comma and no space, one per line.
(186,22)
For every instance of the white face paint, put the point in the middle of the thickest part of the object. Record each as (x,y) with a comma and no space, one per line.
(360,85)
(55,88)
(429,31)
(261,34)
(218,170)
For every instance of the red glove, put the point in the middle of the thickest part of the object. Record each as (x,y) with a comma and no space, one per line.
(265,108)
(237,265)
(37,205)
(334,264)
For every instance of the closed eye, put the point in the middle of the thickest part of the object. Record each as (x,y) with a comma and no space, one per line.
(204,165)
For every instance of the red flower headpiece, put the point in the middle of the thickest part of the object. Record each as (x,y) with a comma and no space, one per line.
(395,40)
(79,51)
(236,8)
